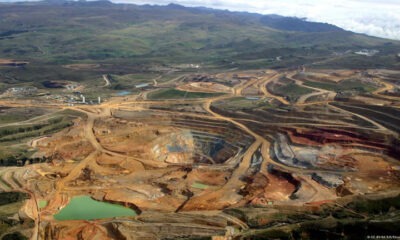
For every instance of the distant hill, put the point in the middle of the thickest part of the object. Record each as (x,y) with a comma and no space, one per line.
(61,32)
(297,24)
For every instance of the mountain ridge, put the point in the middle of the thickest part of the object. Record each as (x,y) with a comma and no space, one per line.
(62,32)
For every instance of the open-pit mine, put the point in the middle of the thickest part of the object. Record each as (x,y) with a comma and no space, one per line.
(226,155)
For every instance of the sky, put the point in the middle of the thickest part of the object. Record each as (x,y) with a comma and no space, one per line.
(379,18)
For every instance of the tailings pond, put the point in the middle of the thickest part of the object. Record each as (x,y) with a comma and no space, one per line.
(86,208)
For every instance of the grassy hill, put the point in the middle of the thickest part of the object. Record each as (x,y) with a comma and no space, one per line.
(130,38)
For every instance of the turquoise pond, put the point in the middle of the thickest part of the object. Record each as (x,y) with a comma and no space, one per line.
(86,208)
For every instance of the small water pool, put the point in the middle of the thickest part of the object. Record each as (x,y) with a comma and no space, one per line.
(124,93)
(200,185)
(42,203)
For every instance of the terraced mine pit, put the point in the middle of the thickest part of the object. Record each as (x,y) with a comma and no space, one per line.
(171,139)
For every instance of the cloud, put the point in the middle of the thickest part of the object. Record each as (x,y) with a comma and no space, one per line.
(379,18)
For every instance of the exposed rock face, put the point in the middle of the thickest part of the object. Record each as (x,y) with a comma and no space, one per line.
(176,147)
(195,141)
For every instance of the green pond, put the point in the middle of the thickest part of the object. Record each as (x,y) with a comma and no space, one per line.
(199,185)
(42,203)
(86,208)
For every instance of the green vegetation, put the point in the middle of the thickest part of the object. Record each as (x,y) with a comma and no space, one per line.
(327,228)
(9,209)
(39,127)
(14,133)
(141,40)
(14,236)
(10,204)
(11,115)
(242,103)
(292,91)
(358,217)
(386,116)
(12,152)
(15,154)
(344,85)
(380,206)
(12,197)
(177,94)
(85,208)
